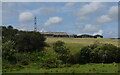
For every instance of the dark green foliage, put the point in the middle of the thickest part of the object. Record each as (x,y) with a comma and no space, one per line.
(8,33)
(25,41)
(29,42)
(99,53)
(27,58)
(49,60)
(110,53)
(24,62)
(23,58)
(118,58)
(36,56)
(10,27)
(21,47)
(8,51)
(75,58)
(6,64)
(0,32)
(8,55)
(62,51)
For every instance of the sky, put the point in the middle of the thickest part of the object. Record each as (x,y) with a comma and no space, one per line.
(71,17)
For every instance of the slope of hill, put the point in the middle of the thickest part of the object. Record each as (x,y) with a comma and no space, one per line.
(76,43)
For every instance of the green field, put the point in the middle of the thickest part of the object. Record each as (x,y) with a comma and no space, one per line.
(74,44)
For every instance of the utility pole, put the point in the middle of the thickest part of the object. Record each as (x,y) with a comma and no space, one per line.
(35,24)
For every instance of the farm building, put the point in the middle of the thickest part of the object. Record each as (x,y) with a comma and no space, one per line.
(64,34)
(72,35)
(85,36)
(89,36)
(98,36)
(55,34)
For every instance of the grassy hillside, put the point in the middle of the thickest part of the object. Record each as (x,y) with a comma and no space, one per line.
(76,43)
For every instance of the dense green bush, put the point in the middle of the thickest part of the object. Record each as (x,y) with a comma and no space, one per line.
(49,60)
(36,56)
(8,51)
(23,58)
(6,64)
(74,58)
(99,53)
(29,42)
(25,41)
(62,51)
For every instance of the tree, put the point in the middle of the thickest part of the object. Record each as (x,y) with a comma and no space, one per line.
(62,51)
(29,41)
(8,33)
(10,27)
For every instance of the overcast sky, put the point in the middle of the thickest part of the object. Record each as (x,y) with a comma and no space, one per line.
(73,18)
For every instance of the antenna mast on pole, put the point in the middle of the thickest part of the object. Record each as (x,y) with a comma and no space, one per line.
(35,24)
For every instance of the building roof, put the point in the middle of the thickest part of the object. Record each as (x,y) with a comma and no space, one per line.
(98,35)
(55,33)
(85,35)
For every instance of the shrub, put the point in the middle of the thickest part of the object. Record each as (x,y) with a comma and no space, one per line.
(23,58)
(6,64)
(36,56)
(99,53)
(109,53)
(75,58)
(8,52)
(24,62)
(62,51)
(19,66)
(49,60)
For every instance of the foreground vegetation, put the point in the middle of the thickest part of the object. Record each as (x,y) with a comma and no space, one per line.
(25,52)
(83,68)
